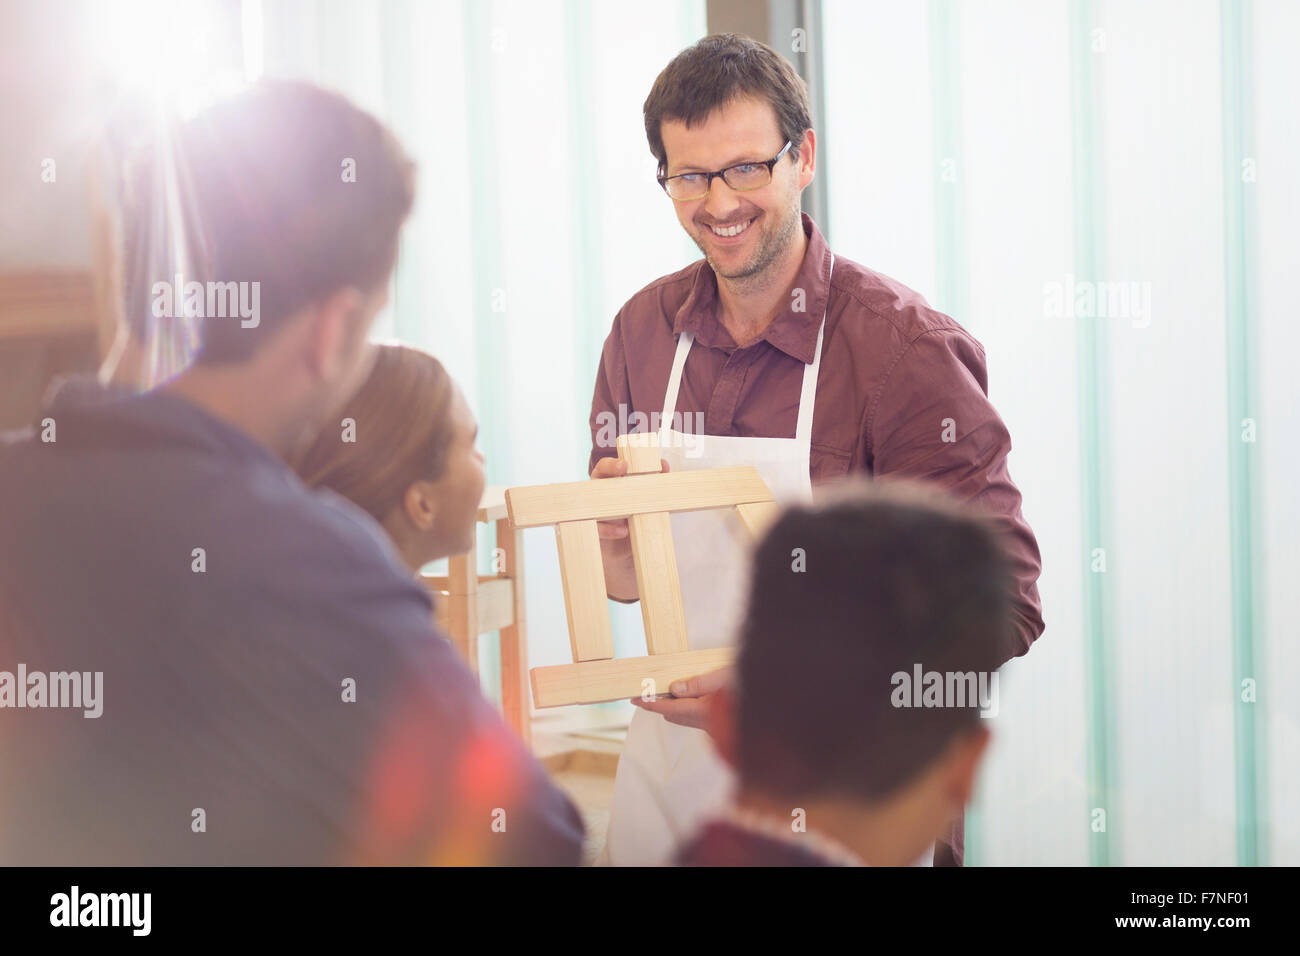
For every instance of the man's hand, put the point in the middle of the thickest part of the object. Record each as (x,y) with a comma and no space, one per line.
(613,531)
(616,530)
(615,544)
(689,705)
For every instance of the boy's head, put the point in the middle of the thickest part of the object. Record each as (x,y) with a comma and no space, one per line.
(851,601)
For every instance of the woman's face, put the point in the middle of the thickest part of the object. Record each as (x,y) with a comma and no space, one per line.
(456,493)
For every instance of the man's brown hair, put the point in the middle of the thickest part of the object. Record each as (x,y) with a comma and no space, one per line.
(716,71)
(295,188)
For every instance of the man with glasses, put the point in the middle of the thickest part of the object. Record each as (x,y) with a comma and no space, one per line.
(804,365)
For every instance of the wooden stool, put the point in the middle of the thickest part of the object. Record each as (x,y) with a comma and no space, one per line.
(470,604)
(646,498)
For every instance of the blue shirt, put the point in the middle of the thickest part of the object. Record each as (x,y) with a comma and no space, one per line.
(282,696)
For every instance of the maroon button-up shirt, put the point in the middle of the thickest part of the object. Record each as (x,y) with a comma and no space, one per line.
(902,392)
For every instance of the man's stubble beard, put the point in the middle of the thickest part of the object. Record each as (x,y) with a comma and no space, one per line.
(769,250)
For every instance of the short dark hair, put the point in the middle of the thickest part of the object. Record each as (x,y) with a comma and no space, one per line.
(714,72)
(271,202)
(893,577)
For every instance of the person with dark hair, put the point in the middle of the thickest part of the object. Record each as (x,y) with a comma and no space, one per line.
(771,351)
(268,684)
(407,456)
(849,601)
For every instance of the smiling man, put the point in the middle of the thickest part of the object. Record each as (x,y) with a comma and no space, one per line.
(802,364)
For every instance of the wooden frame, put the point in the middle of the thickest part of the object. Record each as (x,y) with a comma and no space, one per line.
(646,498)
(470,604)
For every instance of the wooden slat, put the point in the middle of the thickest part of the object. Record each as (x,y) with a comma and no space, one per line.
(596,681)
(653,557)
(435,582)
(492,506)
(757,516)
(641,452)
(457,614)
(514,636)
(495,599)
(496,604)
(462,605)
(657,583)
(463,576)
(537,505)
(583,576)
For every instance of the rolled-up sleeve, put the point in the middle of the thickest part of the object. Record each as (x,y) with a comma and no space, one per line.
(931,420)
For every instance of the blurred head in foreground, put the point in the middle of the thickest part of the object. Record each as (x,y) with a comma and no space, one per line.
(867,655)
(406,455)
(298,198)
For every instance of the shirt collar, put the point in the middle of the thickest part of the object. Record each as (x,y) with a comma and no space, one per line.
(793,331)
(829,849)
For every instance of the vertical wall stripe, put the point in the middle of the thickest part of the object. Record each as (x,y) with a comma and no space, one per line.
(949,172)
(812,66)
(490,288)
(590,324)
(488,275)
(1094,455)
(410,322)
(1242,356)
(949,178)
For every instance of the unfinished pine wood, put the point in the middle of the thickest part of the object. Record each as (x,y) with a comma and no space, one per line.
(657,583)
(492,506)
(756,516)
(458,619)
(495,599)
(538,505)
(594,682)
(496,603)
(469,604)
(436,582)
(514,634)
(647,498)
(583,576)
(653,557)
(641,452)
(462,606)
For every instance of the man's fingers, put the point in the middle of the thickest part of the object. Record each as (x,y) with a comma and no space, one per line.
(615,468)
(609,468)
(685,688)
(612,529)
(701,684)
(688,713)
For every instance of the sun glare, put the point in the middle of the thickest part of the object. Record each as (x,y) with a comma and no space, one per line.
(180,54)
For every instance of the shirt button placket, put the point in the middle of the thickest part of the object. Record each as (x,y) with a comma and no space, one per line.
(719,419)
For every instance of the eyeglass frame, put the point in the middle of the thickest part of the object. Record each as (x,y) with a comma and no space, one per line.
(769,163)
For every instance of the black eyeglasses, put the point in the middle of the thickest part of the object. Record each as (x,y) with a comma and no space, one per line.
(741,177)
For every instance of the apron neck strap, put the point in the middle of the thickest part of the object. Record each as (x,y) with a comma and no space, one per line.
(675,380)
(807,393)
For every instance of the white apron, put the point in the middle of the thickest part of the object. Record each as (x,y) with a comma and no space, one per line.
(670,780)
